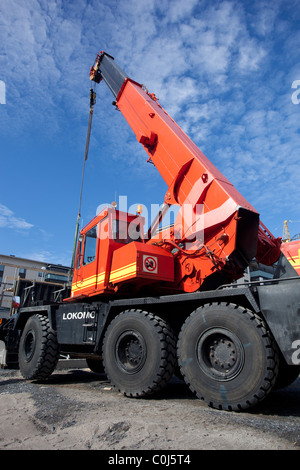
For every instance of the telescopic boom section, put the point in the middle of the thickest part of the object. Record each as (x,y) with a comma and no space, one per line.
(217,232)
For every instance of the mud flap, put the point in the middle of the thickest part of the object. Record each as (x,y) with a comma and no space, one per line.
(280,306)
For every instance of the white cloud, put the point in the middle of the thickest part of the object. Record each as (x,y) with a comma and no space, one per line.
(9,220)
(43,256)
(264,18)
(178,10)
(51,43)
(47,256)
(250,56)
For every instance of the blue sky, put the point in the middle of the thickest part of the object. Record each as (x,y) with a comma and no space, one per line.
(224,70)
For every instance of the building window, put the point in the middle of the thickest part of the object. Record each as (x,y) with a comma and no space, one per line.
(1,272)
(22,273)
(56,278)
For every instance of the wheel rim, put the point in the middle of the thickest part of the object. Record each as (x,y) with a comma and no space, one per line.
(220,354)
(29,345)
(131,351)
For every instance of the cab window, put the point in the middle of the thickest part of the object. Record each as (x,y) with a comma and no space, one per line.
(90,246)
(126,232)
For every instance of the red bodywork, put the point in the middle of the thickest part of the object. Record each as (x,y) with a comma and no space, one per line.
(215,235)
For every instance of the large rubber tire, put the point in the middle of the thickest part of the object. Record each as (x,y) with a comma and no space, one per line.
(227,356)
(38,349)
(139,353)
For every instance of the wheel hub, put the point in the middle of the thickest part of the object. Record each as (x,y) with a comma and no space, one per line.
(29,345)
(220,354)
(131,351)
(134,352)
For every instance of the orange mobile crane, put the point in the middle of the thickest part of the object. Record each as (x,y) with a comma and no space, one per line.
(144,302)
(216,234)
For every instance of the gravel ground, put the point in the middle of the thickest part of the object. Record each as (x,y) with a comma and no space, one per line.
(77,409)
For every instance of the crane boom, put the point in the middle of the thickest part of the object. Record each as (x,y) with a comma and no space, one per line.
(231,233)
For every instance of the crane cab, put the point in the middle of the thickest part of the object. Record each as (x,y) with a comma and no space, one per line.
(111,249)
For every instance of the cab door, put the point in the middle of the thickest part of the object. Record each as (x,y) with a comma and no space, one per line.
(85,275)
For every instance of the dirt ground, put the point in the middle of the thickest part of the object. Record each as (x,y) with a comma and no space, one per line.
(78,409)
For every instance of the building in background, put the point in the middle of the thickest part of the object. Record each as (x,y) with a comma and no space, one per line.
(12,269)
